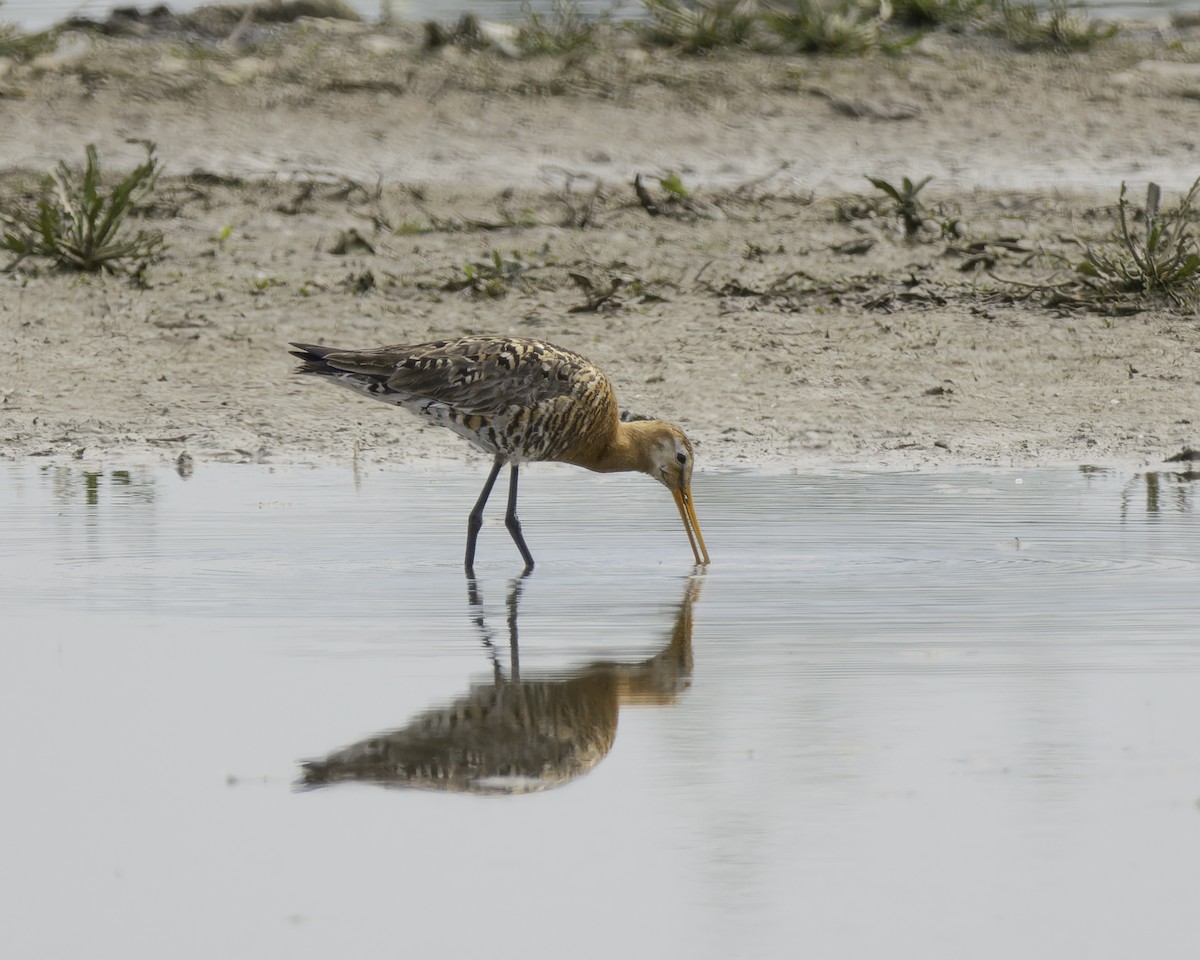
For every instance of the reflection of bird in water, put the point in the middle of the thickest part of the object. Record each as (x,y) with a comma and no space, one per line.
(1164,490)
(518,400)
(516,735)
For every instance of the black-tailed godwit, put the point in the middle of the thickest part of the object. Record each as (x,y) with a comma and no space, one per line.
(519,400)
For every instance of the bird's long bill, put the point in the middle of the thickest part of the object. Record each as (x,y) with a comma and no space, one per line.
(687,513)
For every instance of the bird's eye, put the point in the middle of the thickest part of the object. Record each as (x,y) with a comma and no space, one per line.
(681,459)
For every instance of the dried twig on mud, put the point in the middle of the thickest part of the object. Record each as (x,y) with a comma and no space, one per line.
(644,197)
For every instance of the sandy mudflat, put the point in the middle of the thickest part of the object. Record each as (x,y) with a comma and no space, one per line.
(775,321)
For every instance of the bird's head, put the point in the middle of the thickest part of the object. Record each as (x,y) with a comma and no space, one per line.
(668,457)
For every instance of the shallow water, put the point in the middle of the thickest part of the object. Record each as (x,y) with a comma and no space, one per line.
(947,715)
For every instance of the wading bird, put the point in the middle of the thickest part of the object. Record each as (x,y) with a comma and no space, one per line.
(519,400)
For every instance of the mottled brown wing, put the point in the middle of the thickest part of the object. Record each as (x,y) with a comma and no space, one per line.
(475,375)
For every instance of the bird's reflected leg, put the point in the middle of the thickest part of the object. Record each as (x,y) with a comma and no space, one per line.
(475,606)
(514,598)
(475,520)
(513,524)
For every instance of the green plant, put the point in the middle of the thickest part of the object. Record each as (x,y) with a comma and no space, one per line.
(77,225)
(492,280)
(22,47)
(261,282)
(565,29)
(695,26)
(906,202)
(673,184)
(809,26)
(1030,27)
(1163,258)
(677,200)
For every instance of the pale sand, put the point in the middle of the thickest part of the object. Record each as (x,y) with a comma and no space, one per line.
(890,357)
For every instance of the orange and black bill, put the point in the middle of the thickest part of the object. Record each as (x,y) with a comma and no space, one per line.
(687,513)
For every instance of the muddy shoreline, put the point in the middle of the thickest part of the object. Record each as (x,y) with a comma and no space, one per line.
(335,185)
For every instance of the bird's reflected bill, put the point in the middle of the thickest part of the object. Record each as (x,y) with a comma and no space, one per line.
(683,500)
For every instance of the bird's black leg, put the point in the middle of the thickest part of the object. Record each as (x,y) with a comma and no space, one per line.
(475,520)
(513,524)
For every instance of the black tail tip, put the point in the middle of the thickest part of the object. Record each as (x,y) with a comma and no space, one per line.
(312,357)
(310,351)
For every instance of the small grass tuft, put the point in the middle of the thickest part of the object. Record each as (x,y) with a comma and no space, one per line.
(79,226)
(810,26)
(1029,26)
(564,30)
(673,184)
(698,26)
(492,280)
(906,203)
(22,47)
(1160,259)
